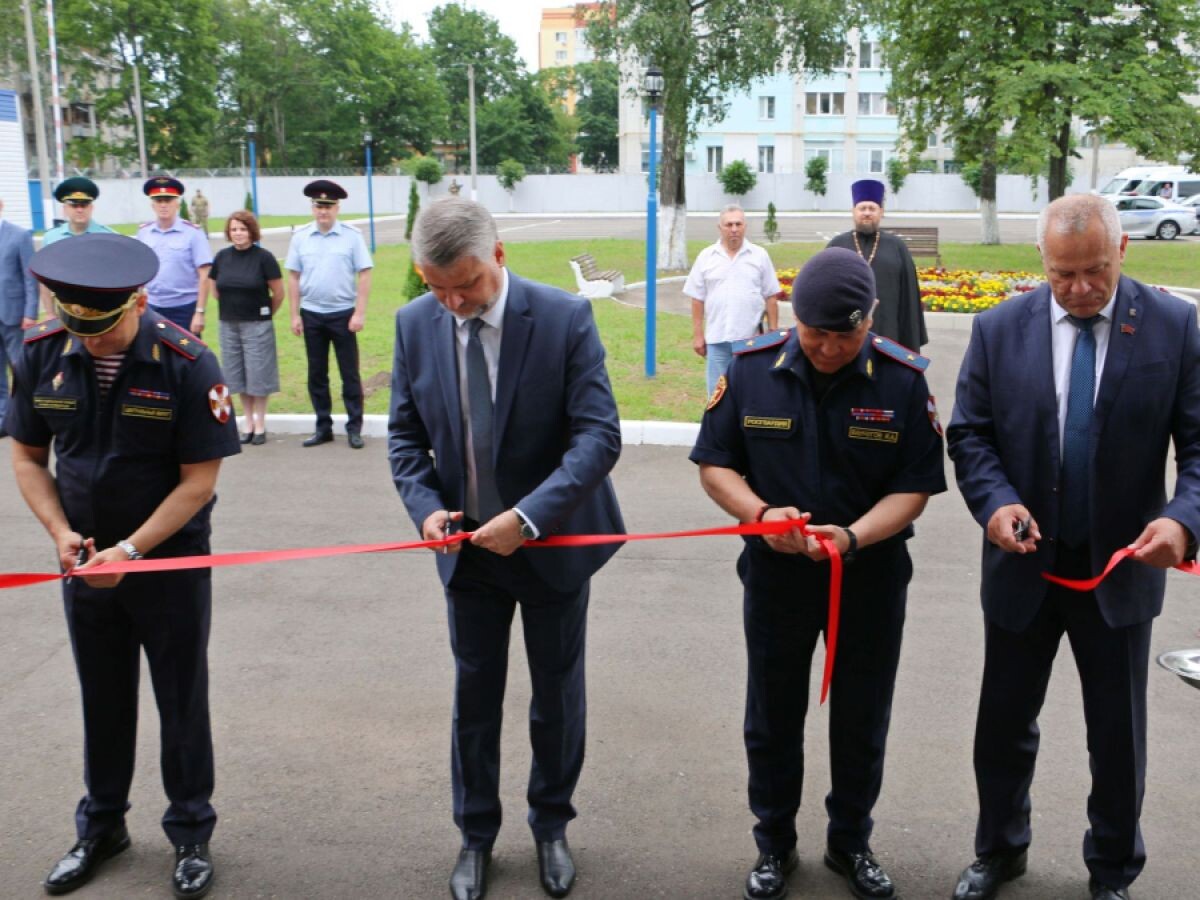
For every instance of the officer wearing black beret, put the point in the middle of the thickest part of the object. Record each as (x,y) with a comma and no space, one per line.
(832,427)
(139,420)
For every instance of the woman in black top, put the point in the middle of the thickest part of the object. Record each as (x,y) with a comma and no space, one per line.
(249,287)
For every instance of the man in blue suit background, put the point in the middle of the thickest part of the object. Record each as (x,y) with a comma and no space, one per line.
(18,299)
(1066,402)
(504,381)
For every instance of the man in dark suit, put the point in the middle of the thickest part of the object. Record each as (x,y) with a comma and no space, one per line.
(18,299)
(1065,405)
(504,381)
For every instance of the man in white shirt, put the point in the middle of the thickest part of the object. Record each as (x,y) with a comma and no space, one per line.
(730,284)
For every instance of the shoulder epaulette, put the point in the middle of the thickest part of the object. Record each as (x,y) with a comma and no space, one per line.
(899,353)
(761,341)
(180,340)
(189,222)
(144,225)
(43,330)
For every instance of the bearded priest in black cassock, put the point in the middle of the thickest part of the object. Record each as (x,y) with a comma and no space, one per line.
(899,315)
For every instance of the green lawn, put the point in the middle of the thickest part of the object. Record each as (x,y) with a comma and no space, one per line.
(677,392)
(217,223)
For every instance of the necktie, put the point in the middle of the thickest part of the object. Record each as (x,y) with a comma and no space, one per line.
(479,396)
(1077,435)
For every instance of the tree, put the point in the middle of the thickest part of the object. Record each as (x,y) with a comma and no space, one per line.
(737,179)
(428,171)
(897,172)
(770,226)
(414,205)
(414,284)
(815,175)
(707,49)
(510,173)
(596,109)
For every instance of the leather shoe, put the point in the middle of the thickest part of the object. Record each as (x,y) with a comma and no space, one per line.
(1104,892)
(247,437)
(768,879)
(862,872)
(81,862)
(556,868)
(318,437)
(354,439)
(259,438)
(981,880)
(194,872)
(468,881)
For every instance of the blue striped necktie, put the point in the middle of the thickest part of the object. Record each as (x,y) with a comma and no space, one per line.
(1077,436)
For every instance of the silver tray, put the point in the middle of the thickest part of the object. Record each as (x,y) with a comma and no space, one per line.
(1184,663)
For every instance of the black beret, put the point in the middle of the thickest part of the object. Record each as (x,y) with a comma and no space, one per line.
(834,291)
(163,186)
(77,188)
(324,192)
(93,277)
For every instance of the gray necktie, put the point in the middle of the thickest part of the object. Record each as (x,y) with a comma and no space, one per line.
(479,396)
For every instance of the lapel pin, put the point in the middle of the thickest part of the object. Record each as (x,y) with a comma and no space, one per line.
(1127,329)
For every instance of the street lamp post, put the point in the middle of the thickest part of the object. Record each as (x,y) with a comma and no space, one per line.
(652,84)
(250,133)
(367,139)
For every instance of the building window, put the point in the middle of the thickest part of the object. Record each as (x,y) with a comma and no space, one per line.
(870,54)
(560,56)
(716,159)
(931,142)
(873,161)
(766,108)
(825,103)
(766,159)
(560,37)
(833,155)
(875,105)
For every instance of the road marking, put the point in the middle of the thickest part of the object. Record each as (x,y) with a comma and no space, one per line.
(534,225)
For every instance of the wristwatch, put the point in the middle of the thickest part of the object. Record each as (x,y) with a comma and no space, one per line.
(527,532)
(130,550)
(851,550)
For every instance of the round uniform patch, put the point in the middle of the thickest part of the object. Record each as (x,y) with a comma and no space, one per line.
(718,393)
(931,407)
(219,403)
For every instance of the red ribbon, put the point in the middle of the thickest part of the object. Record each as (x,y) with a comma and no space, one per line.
(217,560)
(1089,584)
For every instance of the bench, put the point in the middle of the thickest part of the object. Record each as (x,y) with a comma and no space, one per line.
(922,241)
(591,281)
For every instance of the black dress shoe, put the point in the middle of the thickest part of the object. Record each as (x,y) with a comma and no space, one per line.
(468,881)
(318,437)
(194,873)
(981,880)
(354,439)
(259,438)
(81,862)
(768,879)
(1104,892)
(862,872)
(247,437)
(556,869)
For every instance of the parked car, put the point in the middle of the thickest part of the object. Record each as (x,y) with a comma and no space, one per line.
(1193,202)
(1153,217)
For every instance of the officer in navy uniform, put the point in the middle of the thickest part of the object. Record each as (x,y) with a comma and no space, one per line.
(832,427)
(139,420)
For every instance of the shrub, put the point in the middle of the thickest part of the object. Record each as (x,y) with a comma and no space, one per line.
(770,226)
(815,172)
(737,178)
(414,204)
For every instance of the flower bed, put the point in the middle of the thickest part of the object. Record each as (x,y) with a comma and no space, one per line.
(953,290)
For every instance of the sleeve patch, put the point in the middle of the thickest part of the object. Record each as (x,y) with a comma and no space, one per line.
(718,393)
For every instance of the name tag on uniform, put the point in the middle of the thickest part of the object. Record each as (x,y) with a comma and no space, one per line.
(874,434)
(57,404)
(264,311)
(157,413)
(767,422)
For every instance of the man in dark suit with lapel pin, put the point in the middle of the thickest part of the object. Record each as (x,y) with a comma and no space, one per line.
(1066,402)
(504,381)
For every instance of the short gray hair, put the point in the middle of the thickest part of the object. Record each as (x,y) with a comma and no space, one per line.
(1073,214)
(728,208)
(452,228)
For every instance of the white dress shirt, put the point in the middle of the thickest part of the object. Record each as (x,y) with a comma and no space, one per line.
(1063,333)
(732,289)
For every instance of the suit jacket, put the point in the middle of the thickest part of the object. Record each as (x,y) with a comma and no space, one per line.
(1003,438)
(18,288)
(557,434)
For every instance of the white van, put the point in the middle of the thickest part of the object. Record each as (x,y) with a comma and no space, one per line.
(1183,183)
(1126,181)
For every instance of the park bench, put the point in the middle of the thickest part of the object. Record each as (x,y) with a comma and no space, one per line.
(921,241)
(591,281)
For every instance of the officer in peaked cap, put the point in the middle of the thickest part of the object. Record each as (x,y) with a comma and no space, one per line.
(832,427)
(323,192)
(163,186)
(180,290)
(139,420)
(77,195)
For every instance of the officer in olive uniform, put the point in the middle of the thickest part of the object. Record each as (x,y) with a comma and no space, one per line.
(139,420)
(833,427)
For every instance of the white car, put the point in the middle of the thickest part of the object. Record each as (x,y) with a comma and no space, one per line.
(1154,217)
(1193,203)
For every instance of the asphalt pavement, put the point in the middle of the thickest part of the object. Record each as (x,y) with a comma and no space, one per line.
(331,693)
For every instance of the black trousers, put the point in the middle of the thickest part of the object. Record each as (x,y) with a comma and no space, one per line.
(168,615)
(1112,664)
(481,598)
(321,330)
(785,612)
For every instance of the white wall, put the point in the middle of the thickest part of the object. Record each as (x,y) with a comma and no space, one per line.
(14,186)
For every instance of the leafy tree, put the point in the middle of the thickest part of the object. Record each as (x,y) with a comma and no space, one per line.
(737,179)
(707,49)
(183,209)
(596,109)
(414,205)
(897,172)
(428,171)
(815,175)
(510,173)
(770,226)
